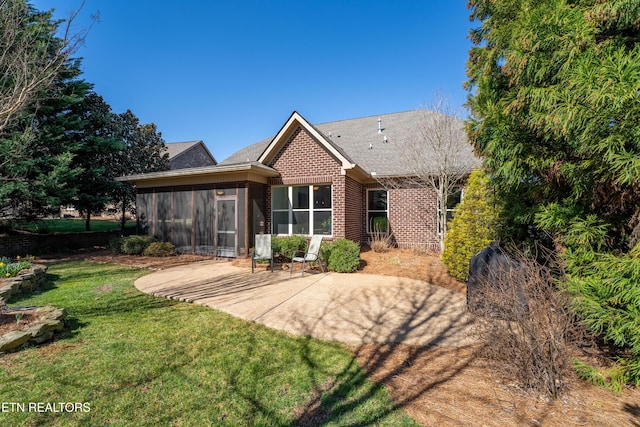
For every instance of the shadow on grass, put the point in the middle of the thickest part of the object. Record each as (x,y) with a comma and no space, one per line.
(50,285)
(386,318)
(382,323)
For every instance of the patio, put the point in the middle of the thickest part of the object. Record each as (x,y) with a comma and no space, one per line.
(350,308)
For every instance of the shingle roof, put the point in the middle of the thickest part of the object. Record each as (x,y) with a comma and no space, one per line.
(359,140)
(176,148)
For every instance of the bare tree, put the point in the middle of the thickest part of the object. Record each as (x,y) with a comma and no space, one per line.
(30,55)
(439,157)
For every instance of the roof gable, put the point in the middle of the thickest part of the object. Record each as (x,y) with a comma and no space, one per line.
(376,145)
(292,124)
(189,154)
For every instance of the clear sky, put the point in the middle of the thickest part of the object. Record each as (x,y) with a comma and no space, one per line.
(230,73)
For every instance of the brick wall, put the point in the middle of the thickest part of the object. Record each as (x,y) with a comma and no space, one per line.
(412,217)
(412,212)
(302,160)
(23,243)
(355,211)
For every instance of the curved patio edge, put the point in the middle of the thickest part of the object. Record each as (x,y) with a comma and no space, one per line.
(350,308)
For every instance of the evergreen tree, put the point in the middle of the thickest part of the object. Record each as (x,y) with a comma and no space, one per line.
(94,144)
(32,55)
(556,115)
(556,112)
(36,167)
(472,228)
(143,150)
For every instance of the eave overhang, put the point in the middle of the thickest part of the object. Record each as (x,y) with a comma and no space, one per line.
(253,171)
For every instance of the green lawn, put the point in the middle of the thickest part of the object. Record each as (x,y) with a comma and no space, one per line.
(69,225)
(133,359)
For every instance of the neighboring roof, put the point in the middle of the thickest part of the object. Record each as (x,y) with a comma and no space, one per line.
(179,149)
(380,153)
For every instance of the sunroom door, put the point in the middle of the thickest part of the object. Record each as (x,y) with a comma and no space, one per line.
(226,228)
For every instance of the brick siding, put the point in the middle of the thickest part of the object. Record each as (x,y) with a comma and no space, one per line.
(412,217)
(302,160)
(412,212)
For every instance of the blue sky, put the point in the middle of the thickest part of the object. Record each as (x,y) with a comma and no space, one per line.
(231,73)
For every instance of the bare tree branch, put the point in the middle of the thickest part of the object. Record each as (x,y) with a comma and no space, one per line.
(438,158)
(31,55)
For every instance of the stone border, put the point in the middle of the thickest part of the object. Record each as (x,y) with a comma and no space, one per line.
(42,330)
(51,320)
(33,279)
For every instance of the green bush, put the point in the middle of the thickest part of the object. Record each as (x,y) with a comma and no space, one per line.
(325,250)
(115,244)
(160,249)
(286,246)
(135,245)
(344,256)
(472,227)
(605,291)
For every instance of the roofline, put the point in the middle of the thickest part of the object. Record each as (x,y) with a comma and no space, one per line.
(253,167)
(196,143)
(295,117)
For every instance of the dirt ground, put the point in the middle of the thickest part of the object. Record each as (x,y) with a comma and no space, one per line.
(444,386)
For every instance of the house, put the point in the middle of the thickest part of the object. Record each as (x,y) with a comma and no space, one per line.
(190,154)
(307,179)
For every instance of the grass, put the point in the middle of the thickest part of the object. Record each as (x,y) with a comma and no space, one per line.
(134,359)
(68,225)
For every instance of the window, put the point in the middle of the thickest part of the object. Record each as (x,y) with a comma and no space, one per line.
(377,211)
(303,209)
(453,199)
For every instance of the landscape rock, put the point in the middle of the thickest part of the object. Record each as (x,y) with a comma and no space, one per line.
(14,339)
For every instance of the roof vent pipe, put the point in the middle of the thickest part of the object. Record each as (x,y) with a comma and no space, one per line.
(379,125)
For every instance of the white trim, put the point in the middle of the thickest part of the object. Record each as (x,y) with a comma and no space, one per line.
(290,210)
(294,121)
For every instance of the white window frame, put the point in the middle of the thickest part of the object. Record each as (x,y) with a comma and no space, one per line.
(386,211)
(290,209)
(450,210)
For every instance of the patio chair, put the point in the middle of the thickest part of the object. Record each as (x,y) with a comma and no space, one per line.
(311,255)
(262,250)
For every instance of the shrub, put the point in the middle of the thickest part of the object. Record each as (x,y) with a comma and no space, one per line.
(380,240)
(286,246)
(160,249)
(605,291)
(472,227)
(135,245)
(530,342)
(325,250)
(115,244)
(344,256)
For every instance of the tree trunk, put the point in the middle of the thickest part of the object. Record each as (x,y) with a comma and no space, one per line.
(124,208)
(442,212)
(87,221)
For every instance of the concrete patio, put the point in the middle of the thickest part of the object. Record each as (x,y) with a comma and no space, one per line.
(351,308)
